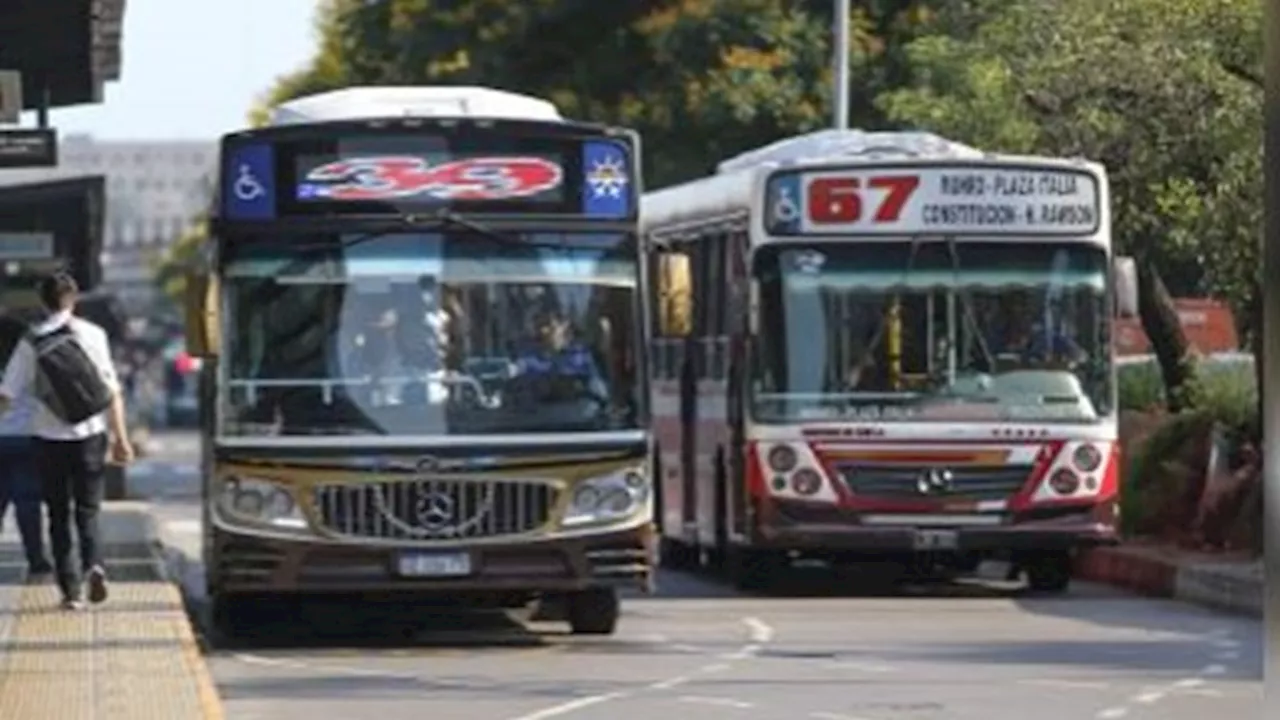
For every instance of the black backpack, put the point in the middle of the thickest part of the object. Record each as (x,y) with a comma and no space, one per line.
(68,383)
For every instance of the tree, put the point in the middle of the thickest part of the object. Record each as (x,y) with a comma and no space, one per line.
(185,254)
(1165,93)
(699,79)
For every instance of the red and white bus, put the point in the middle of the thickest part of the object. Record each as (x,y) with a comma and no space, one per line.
(885,346)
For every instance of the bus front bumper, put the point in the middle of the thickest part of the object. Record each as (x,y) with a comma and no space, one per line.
(795,527)
(247,563)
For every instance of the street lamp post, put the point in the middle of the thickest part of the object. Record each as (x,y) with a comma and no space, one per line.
(840,98)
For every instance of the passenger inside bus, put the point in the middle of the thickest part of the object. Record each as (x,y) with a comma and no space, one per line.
(395,349)
(560,356)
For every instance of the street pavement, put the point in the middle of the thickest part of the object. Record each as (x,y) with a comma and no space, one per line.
(831,649)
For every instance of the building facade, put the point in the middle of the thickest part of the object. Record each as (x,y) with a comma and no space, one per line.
(155,191)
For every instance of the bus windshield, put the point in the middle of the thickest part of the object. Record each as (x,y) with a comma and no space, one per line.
(430,333)
(933,331)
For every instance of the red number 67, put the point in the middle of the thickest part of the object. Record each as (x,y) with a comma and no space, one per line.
(838,200)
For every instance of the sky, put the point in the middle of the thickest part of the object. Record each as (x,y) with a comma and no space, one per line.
(192,68)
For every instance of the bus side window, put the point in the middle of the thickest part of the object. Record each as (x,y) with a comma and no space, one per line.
(675,308)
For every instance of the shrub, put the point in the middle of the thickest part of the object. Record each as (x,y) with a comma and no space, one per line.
(1164,476)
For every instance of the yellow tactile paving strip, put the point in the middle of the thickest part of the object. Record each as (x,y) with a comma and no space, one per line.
(132,658)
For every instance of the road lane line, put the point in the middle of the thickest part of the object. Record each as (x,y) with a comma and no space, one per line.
(572,706)
(1113,713)
(760,631)
(1067,684)
(717,701)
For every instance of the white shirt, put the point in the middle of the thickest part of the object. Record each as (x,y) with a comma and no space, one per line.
(20,375)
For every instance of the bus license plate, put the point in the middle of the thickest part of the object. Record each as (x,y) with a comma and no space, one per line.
(435,565)
(936,540)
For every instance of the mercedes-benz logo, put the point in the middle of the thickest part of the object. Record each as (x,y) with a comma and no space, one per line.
(934,481)
(434,509)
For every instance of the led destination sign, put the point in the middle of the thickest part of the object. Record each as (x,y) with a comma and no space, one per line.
(951,200)
(380,173)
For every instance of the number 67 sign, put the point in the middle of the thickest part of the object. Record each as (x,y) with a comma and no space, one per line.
(879,199)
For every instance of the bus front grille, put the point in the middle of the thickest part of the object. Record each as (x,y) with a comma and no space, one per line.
(417,509)
(966,482)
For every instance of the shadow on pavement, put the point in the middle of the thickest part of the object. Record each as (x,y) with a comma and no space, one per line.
(367,623)
(1158,615)
(1173,657)
(823,582)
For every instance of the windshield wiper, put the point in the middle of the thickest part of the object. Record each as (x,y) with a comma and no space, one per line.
(449,218)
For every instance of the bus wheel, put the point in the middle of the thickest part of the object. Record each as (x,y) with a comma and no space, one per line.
(1050,573)
(594,611)
(753,570)
(676,555)
(231,617)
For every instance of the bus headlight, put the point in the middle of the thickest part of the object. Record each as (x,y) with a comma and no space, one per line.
(260,502)
(604,499)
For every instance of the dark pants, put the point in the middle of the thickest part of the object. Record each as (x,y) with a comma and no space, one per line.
(73,473)
(20,487)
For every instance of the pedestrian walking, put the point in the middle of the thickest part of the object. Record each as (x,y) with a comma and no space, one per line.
(19,483)
(65,362)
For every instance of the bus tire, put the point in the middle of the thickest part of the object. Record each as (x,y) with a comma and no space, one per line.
(676,555)
(230,617)
(752,570)
(1050,574)
(594,611)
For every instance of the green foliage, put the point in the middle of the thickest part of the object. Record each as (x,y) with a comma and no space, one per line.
(1156,475)
(1228,397)
(700,79)
(1226,389)
(185,254)
(1165,93)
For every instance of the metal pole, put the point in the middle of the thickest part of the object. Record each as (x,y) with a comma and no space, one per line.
(840,98)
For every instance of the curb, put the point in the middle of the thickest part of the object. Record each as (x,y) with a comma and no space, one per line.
(1203,584)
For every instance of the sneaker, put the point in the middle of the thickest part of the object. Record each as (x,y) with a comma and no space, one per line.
(97,579)
(72,603)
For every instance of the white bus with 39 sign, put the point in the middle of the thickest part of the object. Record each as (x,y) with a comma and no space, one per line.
(889,345)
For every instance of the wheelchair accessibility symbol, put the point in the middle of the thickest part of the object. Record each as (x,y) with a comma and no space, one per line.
(785,208)
(247,186)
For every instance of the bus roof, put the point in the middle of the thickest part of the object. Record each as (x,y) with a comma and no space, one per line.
(731,190)
(368,103)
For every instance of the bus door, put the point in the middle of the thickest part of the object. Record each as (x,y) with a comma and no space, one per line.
(689,435)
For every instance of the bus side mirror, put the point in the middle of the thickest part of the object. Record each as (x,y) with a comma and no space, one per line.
(201,305)
(675,295)
(1124,276)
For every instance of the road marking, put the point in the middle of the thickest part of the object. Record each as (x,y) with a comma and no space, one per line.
(572,706)
(743,652)
(671,682)
(1227,655)
(862,666)
(760,632)
(192,526)
(688,649)
(831,716)
(1068,684)
(1113,713)
(1215,669)
(718,701)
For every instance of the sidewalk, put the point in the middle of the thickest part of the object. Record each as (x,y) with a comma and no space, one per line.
(132,658)
(1221,581)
